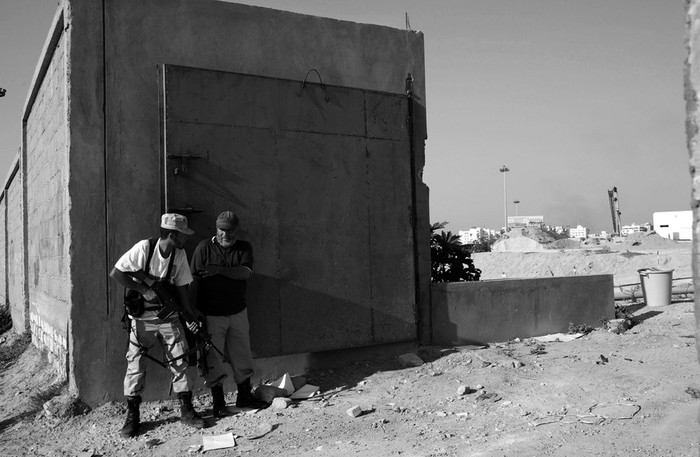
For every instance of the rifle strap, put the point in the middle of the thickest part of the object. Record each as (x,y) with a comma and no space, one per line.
(144,351)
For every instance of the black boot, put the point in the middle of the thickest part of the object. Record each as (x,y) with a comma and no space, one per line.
(245,398)
(218,406)
(133,421)
(188,415)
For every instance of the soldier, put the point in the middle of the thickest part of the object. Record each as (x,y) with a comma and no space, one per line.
(138,269)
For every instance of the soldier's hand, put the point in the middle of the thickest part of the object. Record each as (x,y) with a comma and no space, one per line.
(149,295)
(193,326)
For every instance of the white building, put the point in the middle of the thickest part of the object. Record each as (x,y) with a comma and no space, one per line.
(579,232)
(474,235)
(674,225)
(634,228)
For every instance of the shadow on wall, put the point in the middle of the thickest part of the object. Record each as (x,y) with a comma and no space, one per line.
(304,325)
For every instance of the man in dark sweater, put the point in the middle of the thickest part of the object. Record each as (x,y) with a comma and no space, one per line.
(220,267)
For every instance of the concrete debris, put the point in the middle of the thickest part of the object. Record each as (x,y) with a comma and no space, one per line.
(260,431)
(63,406)
(410,360)
(463,390)
(355,411)
(269,393)
(281,403)
(194,449)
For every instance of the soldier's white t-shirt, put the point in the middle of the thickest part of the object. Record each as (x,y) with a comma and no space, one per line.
(135,260)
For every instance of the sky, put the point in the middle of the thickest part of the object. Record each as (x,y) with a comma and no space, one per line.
(573,97)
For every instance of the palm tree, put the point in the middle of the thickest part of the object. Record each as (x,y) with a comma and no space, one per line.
(450,261)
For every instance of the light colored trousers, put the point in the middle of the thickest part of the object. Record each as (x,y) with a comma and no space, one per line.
(148,333)
(231,335)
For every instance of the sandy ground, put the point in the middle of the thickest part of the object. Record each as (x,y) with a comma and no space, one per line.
(604,394)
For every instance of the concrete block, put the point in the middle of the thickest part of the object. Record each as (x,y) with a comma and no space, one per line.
(269,393)
(410,360)
(354,411)
(281,402)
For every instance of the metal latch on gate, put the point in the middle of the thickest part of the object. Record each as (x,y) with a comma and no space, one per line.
(183,158)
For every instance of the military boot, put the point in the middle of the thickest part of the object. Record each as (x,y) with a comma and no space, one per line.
(246,399)
(218,401)
(188,415)
(133,421)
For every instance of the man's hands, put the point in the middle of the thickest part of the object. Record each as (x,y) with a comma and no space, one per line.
(193,326)
(148,294)
(239,272)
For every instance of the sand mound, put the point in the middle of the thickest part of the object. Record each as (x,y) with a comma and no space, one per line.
(566,243)
(534,233)
(518,244)
(649,240)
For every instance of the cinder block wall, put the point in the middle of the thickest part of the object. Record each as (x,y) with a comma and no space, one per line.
(46,154)
(692,87)
(15,251)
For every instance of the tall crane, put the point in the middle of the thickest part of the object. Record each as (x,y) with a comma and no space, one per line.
(615,210)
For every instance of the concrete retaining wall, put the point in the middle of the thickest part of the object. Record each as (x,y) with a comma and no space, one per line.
(500,310)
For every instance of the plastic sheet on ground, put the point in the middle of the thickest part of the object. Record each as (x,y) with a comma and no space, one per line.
(211,442)
(562,337)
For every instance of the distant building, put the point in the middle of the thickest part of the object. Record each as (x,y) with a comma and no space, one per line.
(634,228)
(559,230)
(579,232)
(674,225)
(475,234)
(525,221)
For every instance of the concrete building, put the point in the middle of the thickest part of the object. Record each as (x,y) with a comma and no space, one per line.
(297,123)
(634,228)
(578,232)
(674,225)
(474,235)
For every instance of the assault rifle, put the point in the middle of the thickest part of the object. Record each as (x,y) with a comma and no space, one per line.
(170,305)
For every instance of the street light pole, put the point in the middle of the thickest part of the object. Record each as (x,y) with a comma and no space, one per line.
(505,170)
(516,207)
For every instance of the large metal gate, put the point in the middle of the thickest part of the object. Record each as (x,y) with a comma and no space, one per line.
(321,179)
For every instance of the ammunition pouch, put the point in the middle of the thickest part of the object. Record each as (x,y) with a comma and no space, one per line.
(134,303)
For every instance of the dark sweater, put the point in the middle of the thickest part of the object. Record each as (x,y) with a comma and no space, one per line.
(219,295)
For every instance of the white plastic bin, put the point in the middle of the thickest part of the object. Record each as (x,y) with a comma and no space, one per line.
(656,286)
